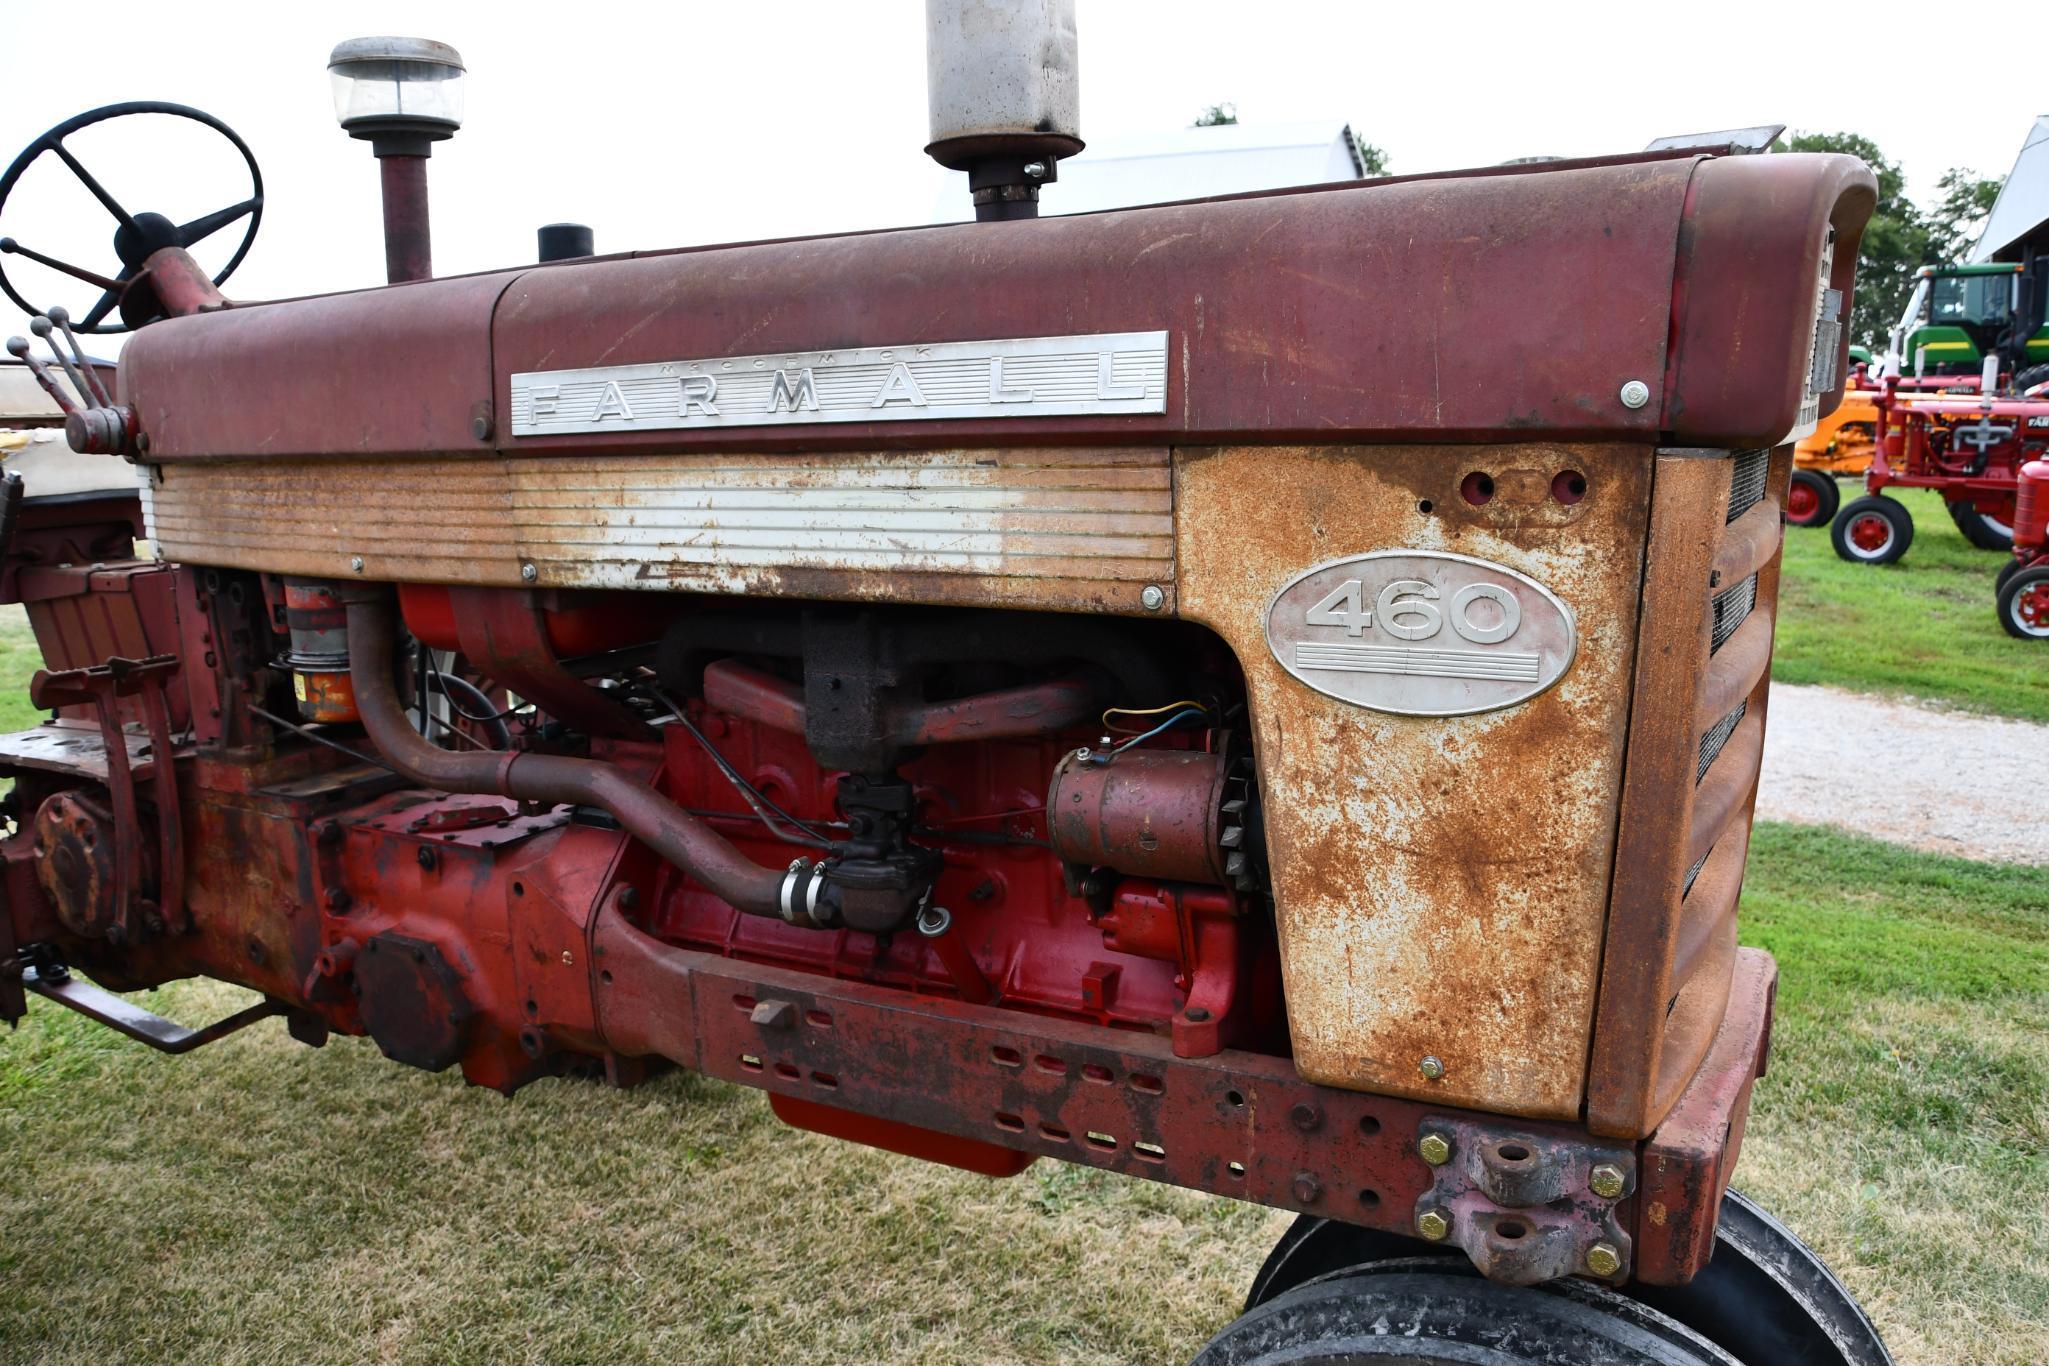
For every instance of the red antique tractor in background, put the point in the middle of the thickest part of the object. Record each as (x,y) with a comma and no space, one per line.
(1033,687)
(1969,449)
(2021,592)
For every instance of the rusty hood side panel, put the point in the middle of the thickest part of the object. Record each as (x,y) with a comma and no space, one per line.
(1440,884)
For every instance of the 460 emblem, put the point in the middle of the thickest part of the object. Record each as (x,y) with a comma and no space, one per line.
(1421,633)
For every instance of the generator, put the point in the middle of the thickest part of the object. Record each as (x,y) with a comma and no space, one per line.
(1262,693)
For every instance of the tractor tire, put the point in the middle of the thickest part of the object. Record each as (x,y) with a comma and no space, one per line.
(1872,530)
(1984,532)
(2030,377)
(1812,499)
(1764,1300)
(1425,1310)
(2007,571)
(2024,604)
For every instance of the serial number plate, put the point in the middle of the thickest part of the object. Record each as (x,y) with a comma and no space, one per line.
(1116,372)
(1421,633)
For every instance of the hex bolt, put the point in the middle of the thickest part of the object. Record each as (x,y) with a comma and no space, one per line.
(1306,1117)
(1431,1067)
(1152,598)
(529,573)
(1635,394)
(1606,1180)
(356,563)
(1435,1148)
(425,858)
(1035,170)
(1603,1259)
(1308,1190)
(1434,1224)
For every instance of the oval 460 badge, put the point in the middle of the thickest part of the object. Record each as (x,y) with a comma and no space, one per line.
(1421,632)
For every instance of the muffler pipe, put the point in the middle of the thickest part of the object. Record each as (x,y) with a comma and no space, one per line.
(553,779)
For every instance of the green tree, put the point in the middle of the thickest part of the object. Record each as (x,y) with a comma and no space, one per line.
(1372,160)
(1217,115)
(1896,241)
(1901,237)
(1959,216)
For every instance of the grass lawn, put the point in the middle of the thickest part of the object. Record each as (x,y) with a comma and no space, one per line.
(261,1201)
(1923,628)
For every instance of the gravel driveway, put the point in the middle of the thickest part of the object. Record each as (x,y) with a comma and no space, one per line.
(1948,782)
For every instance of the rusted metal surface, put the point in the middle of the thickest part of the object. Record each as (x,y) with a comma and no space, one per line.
(1684,823)
(408,239)
(1686,1164)
(1085,528)
(1752,241)
(342,373)
(1525,1206)
(1439,883)
(1237,1123)
(1145,813)
(137,904)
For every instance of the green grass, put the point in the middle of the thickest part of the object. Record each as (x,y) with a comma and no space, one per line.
(19,659)
(260,1201)
(1922,628)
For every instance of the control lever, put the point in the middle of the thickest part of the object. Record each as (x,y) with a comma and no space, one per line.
(93,423)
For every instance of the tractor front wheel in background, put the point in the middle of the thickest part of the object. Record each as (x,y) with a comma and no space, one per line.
(1812,499)
(1986,533)
(2007,571)
(2030,377)
(2024,603)
(1872,530)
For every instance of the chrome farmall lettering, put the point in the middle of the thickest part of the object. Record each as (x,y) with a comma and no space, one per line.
(1119,372)
(1421,633)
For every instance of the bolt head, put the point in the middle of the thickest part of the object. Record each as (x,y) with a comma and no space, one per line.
(1435,1148)
(1635,394)
(529,573)
(1431,1067)
(1152,598)
(1603,1259)
(1308,1190)
(1434,1224)
(1036,170)
(356,563)
(1606,1180)
(1306,1117)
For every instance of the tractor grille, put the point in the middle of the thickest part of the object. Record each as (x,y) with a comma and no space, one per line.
(1731,607)
(1711,743)
(1746,481)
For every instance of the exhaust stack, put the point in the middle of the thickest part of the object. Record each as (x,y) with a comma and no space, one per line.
(1005,89)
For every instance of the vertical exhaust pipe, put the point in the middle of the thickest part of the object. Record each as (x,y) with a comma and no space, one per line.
(1004,83)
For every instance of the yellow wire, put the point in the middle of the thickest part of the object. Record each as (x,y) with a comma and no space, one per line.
(1111,726)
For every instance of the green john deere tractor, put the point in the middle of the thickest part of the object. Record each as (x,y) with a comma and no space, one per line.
(1960,314)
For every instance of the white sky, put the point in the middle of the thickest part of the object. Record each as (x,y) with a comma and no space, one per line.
(673,124)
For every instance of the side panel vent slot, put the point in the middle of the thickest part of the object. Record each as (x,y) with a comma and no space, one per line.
(1747,480)
(1711,743)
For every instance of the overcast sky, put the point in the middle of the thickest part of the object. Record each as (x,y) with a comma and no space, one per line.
(664,125)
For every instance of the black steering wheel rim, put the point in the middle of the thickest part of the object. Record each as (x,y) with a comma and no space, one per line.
(52,139)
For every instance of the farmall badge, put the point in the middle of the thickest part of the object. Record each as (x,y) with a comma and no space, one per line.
(1114,372)
(1421,633)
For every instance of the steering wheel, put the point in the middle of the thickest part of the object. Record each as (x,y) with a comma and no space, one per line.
(137,234)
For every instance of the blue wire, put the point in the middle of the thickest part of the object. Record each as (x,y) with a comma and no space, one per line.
(1176,719)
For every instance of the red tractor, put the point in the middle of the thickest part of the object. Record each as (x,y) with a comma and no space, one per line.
(1967,448)
(2022,589)
(1035,687)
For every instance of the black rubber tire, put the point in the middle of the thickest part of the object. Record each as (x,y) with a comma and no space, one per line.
(1426,1310)
(1897,543)
(1764,1298)
(2031,582)
(1980,530)
(1827,498)
(2030,377)
(2006,571)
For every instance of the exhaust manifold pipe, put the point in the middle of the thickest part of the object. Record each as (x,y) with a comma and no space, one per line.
(642,812)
